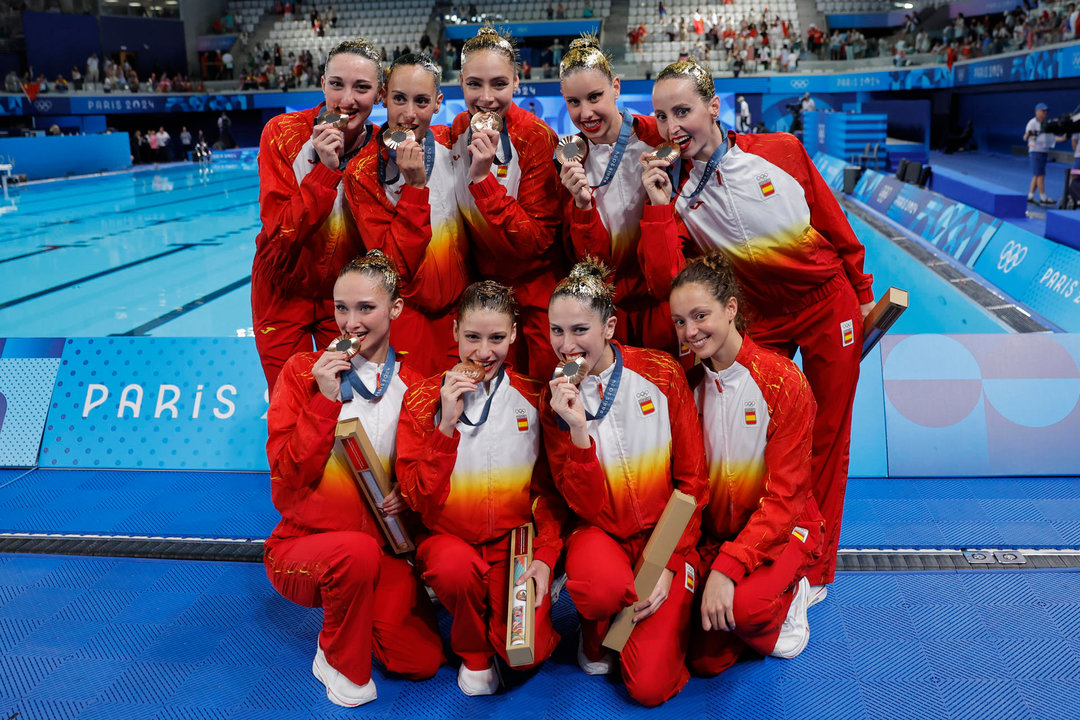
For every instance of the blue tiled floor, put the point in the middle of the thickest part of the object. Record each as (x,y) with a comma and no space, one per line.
(120,638)
(879,513)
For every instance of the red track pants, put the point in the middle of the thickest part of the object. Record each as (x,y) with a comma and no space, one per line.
(371,601)
(832,368)
(761,603)
(600,572)
(285,326)
(471,582)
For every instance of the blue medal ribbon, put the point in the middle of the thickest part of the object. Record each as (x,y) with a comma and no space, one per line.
(487,406)
(710,168)
(608,398)
(351,380)
(618,150)
(429,160)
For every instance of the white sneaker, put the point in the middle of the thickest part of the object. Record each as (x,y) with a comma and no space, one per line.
(477,682)
(602,666)
(795,632)
(340,690)
(817,594)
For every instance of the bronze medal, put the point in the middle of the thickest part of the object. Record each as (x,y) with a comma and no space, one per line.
(337,119)
(348,344)
(393,137)
(668,151)
(573,370)
(571,147)
(471,370)
(485,120)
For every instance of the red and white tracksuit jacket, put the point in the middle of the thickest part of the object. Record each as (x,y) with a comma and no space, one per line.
(423,232)
(801,271)
(647,445)
(327,551)
(610,230)
(308,234)
(513,219)
(762,527)
(471,490)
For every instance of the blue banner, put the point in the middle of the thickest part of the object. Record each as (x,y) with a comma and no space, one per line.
(959,230)
(27,373)
(832,169)
(1055,289)
(158,403)
(878,190)
(539,28)
(1013,258)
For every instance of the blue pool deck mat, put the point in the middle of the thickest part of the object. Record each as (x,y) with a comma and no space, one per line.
(1016,512)
(123,639)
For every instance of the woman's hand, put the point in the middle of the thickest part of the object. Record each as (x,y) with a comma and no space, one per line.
(656,598)
(865,308)
(541,573)
(573,179)
(482,149)
(455,385)
(327,372)
(716,603)
(393,503)
(655,179)
(566,402)
(329,144)
(410,161)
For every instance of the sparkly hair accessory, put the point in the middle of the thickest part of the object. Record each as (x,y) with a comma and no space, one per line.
(585,54)
(693,70)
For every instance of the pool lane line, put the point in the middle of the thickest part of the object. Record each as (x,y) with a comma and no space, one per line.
(186,308)
(38,228)
(95,276)
(46,249)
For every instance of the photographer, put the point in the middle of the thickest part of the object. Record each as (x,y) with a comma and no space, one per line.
(1039,146)
(796,110)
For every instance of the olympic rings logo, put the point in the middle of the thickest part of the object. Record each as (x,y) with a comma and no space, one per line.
(800,84)
(1011,255)
(43,105)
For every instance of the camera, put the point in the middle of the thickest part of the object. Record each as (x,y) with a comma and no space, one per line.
(1066,124)
(794,107)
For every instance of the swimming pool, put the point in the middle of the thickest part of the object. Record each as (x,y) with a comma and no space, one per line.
(167,252)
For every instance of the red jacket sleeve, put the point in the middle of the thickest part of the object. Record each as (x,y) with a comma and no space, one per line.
(660,249)
(687,461)
(588,236)
(523,227)
(549,513)
(787,479)
(402,231)
(300,426)
(577,473)
(425,457)
(290,212)
(826,215)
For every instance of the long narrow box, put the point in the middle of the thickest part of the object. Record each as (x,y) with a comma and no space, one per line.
(654,558)
(354,448)
(878,321)
(520,613)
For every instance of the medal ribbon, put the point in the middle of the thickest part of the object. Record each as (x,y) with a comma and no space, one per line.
(710,168)
(618,150)
(429,160)
(351,380)
(487,406)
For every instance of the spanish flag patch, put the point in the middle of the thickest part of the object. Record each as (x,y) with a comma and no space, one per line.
(501,171)
(750,414)
(765,183)
(645,403)
(800,534)
(522,421)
